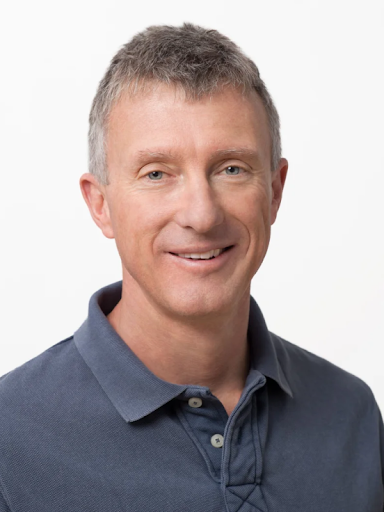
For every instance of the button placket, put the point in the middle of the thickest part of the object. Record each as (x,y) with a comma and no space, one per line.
(201,416)
(243,476)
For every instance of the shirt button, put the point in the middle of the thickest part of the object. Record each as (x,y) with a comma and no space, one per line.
(217,440)
(195,402)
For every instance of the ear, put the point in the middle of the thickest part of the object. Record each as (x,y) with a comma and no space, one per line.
(95,197)
(278,180)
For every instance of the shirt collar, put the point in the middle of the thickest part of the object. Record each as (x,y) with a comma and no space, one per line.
(263,352)
(132,388)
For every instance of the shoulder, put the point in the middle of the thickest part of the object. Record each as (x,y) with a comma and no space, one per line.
(42,400)
(39,369)
(314,377)
(39,384)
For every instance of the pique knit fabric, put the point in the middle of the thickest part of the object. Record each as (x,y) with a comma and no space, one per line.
(86,427)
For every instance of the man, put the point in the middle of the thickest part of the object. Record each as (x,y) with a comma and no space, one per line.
(173,395)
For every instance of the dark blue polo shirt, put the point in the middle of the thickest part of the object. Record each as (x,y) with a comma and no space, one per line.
(86,427)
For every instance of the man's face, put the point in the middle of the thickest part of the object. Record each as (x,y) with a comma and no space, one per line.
(187,178)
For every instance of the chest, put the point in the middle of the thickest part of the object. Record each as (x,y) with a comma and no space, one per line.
(265,461)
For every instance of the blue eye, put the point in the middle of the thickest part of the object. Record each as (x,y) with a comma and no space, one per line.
(155,175)
(232,170)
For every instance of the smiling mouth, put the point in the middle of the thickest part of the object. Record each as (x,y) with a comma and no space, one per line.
(210,255)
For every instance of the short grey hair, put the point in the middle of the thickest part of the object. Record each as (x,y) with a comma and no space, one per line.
(199,60)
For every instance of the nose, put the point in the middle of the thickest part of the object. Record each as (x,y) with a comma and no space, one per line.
(199,207)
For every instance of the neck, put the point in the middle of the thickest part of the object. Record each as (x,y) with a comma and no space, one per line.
(212,353)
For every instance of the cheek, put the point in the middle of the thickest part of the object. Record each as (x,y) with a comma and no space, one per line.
(136,224)
(253,209)
(255,213)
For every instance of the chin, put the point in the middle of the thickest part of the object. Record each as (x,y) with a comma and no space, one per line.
(197,305)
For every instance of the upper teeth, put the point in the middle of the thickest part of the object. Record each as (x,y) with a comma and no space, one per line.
(202,255)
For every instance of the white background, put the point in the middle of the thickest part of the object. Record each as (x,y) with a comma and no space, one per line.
(322,283)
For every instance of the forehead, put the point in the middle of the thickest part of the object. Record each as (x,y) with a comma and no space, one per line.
(164,120)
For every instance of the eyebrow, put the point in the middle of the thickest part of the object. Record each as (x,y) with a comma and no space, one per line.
(143,156)
(146,154)
(237,152)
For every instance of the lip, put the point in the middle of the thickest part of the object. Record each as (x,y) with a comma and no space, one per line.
(205,266)
(198,250)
